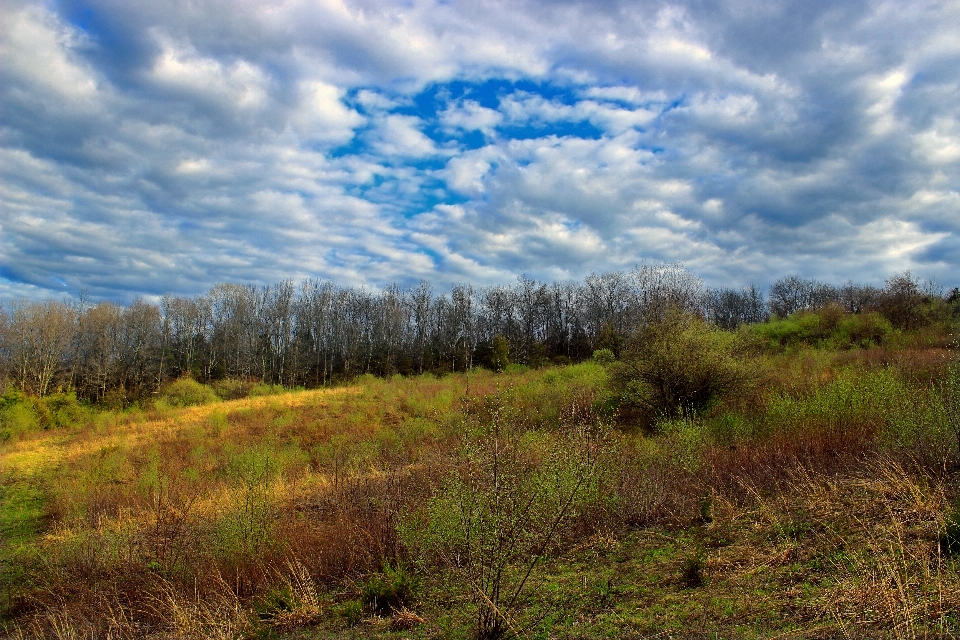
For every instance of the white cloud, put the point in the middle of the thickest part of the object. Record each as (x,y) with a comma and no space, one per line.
(322,115)
(238,84)
(37,48)
(175,145)
(469,115)
(398,135)
(940,144)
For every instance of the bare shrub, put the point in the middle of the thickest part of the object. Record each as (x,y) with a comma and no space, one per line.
(500,514)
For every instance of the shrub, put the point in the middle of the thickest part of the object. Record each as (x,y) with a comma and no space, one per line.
(862,330)
(691,574)
(20,413)
(232,388)
(950,394)
(187,392)
(63,410)
(830,327)
(604,356)
(16,418)
(496,518)
(265,389)
(352,612)
(389,590)
(499,353)
(679,366)
(950,539)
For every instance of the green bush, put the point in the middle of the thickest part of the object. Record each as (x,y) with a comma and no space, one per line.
(16,418)
(264,389)
(499,514)
(950,539)
(862,330)
(499,353)
(604,356)
(63,410)
(679,366)
(352,612)
(828,327)
(232,388)
(20,413)
(388,591)
(187,392)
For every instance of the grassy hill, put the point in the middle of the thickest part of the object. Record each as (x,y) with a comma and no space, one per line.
(816,499)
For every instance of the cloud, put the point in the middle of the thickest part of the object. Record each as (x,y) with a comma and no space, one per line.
(167,146)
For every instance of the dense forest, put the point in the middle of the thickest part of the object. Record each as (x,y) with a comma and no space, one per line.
(315,332)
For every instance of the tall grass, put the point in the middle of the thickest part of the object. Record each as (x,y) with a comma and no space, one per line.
(226,516)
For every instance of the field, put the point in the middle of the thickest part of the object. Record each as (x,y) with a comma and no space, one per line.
(817,499)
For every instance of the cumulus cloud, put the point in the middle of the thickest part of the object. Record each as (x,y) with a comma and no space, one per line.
(166,146)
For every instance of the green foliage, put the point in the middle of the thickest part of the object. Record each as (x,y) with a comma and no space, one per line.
(499,353)
(187,392)
(610,339)
(950,539)
(248,527)
(950,397)
(684,439)
(265,389)
(17,419)
(830,327)
(679,366)
(352,612)
(232,388)
(390,590)
(21,414)
(691,573)
(280,599)
(604,356)
(63,410)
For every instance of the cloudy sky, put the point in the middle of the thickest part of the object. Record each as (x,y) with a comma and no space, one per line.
(167,145)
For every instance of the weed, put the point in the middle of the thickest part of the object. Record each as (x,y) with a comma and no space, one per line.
(706,509)
(352,612)
(793,530)
(495,520)
(292,603)
(390,590)
(950,538)
(691,573)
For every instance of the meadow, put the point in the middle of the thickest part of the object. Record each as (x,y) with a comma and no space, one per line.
(812,494)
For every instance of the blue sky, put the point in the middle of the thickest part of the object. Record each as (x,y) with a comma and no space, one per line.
(166,146)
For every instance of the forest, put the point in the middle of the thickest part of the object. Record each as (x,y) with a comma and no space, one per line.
(312,333)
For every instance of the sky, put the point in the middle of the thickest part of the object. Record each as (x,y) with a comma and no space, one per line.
(166,146)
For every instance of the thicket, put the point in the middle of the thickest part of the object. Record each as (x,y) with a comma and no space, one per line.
(679,366)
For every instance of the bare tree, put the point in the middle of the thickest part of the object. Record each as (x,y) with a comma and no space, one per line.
(793,293)
(730,308)
(95,350)
(38,339)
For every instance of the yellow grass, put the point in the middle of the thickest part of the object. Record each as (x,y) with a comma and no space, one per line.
(36,454)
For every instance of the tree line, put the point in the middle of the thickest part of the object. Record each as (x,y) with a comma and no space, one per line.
(316,332)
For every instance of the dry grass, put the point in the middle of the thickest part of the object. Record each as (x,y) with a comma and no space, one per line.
(223,520)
